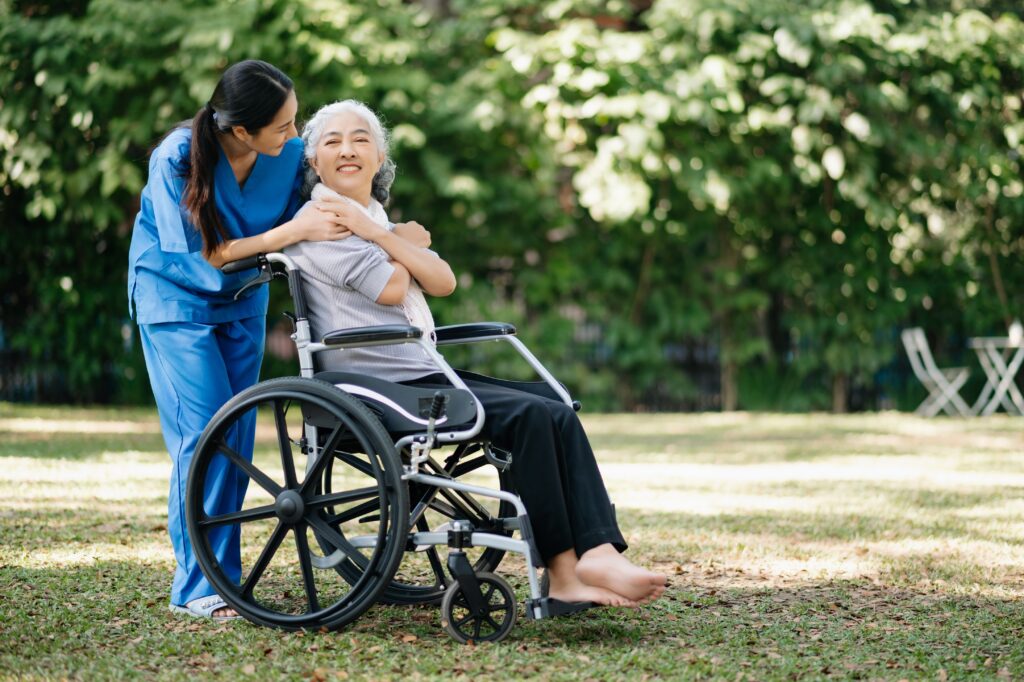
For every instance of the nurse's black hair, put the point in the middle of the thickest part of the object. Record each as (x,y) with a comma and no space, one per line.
(248,94)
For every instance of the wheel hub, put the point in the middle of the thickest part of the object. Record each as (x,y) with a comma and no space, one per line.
(289,506)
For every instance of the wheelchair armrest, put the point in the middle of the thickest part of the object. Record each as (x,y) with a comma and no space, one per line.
(372,336)
(475,331)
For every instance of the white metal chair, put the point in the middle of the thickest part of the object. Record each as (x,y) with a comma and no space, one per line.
(943,384)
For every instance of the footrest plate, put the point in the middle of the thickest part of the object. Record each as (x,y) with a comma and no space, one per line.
(550,608)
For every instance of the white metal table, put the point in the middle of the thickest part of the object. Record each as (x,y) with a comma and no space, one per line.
(1001,358)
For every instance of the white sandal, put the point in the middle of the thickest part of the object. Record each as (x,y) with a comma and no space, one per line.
(204,607)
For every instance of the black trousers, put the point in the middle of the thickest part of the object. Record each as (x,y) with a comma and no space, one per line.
(554,470)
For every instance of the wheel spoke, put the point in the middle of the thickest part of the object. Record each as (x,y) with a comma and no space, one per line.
(491,621)
(353,512)
(244,516)
(466,505)
(465,467)
(356,463)
(443,508)
(490,591)
(335,539)
(342,497)
(440,577)
(285,445)
(462,621)
(326,454)
(302,544)
(255,474)
(476,628)
(264,559)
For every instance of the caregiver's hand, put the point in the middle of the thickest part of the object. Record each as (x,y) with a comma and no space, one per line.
(355,220)
(414,233)
(319,222)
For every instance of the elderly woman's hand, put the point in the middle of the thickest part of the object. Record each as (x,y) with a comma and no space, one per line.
(414,233)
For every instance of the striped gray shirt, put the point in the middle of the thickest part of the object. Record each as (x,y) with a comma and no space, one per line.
(342,281)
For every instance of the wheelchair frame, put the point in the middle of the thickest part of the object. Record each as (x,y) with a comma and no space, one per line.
(467,584)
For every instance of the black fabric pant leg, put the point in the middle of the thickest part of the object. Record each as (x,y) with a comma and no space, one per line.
(553,467)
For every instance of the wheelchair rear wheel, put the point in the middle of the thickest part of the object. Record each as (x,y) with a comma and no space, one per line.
(421,578)
(295,589)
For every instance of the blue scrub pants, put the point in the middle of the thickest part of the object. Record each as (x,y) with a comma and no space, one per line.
(194,369)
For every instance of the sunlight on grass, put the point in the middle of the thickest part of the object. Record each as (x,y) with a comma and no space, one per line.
(777,524)
(74,426)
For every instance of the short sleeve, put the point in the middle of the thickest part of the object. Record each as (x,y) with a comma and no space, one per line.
(353,263)
(167,186)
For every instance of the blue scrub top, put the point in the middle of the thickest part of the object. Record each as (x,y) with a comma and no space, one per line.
(168,278)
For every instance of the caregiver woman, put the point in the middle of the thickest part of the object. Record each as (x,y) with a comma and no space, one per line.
(223,188)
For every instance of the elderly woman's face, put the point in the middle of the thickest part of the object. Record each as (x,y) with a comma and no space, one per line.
(347,156)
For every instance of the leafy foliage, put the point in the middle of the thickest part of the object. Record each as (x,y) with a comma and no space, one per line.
(774,189)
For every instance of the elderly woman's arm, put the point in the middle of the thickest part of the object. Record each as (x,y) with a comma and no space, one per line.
(396,288)
(432,273)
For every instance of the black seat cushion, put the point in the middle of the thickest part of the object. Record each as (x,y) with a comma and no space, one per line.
(402,409)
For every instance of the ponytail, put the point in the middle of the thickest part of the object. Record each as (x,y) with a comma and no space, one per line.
(199,197)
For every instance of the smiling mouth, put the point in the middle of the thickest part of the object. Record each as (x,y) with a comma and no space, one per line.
(349,168)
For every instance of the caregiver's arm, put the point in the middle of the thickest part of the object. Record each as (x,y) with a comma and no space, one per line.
(317,222)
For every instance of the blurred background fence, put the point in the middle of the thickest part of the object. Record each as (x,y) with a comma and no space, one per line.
(683,204)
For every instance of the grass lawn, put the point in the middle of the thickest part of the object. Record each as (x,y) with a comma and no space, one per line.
(798,546)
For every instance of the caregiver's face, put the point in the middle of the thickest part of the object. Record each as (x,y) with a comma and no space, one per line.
(271,138)
(347,157)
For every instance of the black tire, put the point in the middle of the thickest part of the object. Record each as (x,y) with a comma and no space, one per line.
(464,626)
(269,588)
(422,577)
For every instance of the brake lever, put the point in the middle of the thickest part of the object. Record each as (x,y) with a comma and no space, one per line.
(265,276)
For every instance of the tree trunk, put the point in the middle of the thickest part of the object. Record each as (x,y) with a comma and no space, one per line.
(730,389)
(840,389)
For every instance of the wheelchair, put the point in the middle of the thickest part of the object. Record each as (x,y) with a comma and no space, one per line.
(351,478)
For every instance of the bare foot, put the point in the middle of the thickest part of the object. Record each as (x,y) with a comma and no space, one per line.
(573,590)
(564,585)
(604,567)
(226,612)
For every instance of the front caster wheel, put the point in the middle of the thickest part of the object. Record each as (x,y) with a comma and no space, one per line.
(491,622)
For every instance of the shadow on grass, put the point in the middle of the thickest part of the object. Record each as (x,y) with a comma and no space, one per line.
(110,619)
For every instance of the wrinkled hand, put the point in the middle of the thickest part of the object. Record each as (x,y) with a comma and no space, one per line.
(315,224)
(414,233)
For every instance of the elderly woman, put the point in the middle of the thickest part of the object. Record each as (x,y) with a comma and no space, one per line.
(379,276)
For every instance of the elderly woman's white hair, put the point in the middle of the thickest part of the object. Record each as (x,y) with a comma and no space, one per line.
(314,130)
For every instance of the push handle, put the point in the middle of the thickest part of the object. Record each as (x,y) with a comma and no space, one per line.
(244,264)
